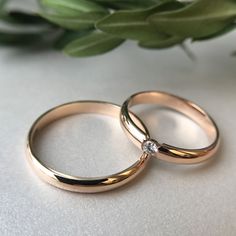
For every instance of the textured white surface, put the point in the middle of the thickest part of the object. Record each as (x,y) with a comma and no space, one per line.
(166,199)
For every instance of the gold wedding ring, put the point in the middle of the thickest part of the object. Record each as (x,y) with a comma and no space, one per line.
(76,183)
(136,131)
(164,151)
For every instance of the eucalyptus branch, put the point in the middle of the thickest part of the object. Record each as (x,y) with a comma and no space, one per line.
(91,27)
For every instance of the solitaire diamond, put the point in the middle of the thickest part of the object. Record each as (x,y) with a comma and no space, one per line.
(150,146)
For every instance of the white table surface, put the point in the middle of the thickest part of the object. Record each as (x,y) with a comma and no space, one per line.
(166,199)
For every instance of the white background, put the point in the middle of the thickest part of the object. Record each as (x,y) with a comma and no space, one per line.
(166,199)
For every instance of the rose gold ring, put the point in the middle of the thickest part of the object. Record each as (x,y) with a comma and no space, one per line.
(164,151)
(75,183)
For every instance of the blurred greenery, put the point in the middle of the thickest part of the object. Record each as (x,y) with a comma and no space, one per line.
(90,27)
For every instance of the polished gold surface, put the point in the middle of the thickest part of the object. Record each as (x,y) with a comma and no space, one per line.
(76,183)
(167,152)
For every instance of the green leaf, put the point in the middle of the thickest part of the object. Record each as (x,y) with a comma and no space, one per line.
(162,42)
(17,17)
(123,5)
(79,22)
(19,39)
(67,37)
(222,32)
(72,7)
(199,19)
(93,44)
(74,14)
(127,4)
(132,24)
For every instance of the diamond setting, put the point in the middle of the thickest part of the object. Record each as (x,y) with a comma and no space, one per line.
(150,146)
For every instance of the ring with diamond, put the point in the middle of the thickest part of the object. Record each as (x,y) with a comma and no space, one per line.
(75,183)
(164,151)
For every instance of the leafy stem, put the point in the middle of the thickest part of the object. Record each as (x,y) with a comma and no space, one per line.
(92,27)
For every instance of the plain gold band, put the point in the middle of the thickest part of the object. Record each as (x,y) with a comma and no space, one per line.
(76,183)
(167,152)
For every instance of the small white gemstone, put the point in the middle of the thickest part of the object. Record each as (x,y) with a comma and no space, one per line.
(150,146)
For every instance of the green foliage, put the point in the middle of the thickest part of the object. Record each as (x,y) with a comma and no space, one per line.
(132,24)
(199,19)
(73,14)
(92,44)
(91,27)
(126,4)
(17,17)
(71,7)
(19,39)
(80,22)
(68,36)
